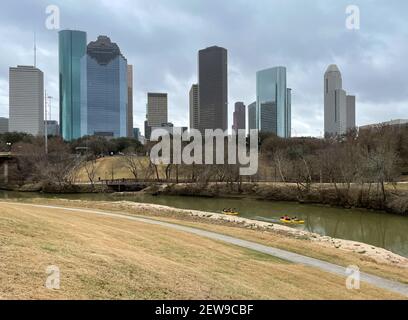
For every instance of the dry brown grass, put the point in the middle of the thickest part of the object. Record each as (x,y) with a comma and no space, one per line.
(399,186)
(283,241)
(115,167)
(117,164)
(103,257)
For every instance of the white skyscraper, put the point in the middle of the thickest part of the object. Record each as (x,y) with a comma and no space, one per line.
(26,100)
(339,109)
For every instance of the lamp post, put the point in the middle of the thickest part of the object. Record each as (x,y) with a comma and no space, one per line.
(45,123)
(50,100)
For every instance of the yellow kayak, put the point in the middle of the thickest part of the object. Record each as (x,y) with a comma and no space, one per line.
(230,213)
(291,221)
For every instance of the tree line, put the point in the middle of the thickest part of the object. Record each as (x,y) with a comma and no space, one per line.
(365,160)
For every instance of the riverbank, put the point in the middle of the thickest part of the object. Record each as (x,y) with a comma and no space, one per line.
(355,196)
(377,254)
(396,201)
(370,258)
(53,188)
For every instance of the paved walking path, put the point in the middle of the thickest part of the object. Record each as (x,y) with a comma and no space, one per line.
(383,283)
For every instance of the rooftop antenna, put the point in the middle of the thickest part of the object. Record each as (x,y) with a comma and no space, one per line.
(35,50)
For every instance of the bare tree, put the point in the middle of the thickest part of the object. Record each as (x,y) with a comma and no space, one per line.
(133,163)
(90,166)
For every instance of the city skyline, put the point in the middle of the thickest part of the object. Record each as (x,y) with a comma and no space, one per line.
(366,71)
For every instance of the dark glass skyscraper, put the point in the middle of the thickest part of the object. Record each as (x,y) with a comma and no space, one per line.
(104,90)
(213,88)
(72,47)
(239,118)
(252,116)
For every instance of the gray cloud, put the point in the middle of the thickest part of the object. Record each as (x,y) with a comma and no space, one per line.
(161,39)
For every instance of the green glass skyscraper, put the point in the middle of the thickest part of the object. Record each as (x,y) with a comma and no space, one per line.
(72,47)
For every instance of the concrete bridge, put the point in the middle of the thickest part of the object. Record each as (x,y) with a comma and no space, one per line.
(121,185)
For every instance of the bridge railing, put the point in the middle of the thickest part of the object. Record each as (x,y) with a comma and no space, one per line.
(115,182)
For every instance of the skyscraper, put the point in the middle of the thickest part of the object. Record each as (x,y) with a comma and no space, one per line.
(4,125)
(157,112)
(269,117)
(273,105)
(52,128)
(136,133)
(130,101)
(252,116)
(26,99)
(194,107)
(147,130)
(351,112)
(72,47)
(239,118)
(104,90)
(213,88)
(339,109)
(288,117)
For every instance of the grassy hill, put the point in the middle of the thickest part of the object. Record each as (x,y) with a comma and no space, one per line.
(107,258)
(115,167)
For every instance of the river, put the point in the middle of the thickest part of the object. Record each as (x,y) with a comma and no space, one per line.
(373,227)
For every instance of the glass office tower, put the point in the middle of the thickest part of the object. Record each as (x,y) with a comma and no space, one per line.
(104,84)
(252,116)
(213,88)
(273,104)
(72,47)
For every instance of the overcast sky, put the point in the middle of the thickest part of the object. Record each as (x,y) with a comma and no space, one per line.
(161,39)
